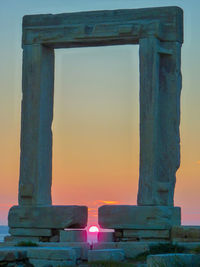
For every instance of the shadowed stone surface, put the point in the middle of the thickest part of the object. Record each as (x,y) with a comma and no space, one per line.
(142,235)
(173,260)
(73,236)
(106,255)
(131,249)
(52,253)
(56,217)
(12,254)
(138,217)
(185,234)
(105,236)
(52,263)
(30,232)
(17,239)
(83,246)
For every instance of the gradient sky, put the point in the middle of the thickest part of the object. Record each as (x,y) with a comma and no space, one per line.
(96,113)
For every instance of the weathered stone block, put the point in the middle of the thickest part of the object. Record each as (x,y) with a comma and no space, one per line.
(55,238)
(12,254)
(103,27)
(189,246)
(160,88)
(83,247)
(36,135)
(55,217)
(51,263)
(106,255)
(30,232)
(105,236)
(141,235)
(131,249)
(173,260)
(17,239)
(146,233)
(52,253)
(185,234)
(73,236)
(138,217)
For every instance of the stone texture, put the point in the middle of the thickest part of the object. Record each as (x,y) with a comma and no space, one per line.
(185,234)
(82,246)
(131,249)
(188,245)
(52,253)
(55,217)
(73,236)
(12,254)
(147,233)
(138,217)
(103,27)
(160,88)
(141,235)
(105,236)
(17,239)
(173,260)
(55,238)
(36,135)
(51,263)
(30,232)
(106,255)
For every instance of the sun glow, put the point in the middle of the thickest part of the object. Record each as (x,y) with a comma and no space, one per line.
(93,229)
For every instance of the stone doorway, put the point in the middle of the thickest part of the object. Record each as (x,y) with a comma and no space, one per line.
(159,33)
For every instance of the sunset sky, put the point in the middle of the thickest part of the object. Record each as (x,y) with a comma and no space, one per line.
(96,113)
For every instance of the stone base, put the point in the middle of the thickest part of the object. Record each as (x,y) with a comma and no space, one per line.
(106,255)
(173,260)
(105,237)
(185,234)
(52,263)
(18,239)
(131,249)
(33,239)
(52,253)
(30,232)
(83,247)
(47,217)
(141,235)
(73,236)
(138,217)
(53,256)
(46,235)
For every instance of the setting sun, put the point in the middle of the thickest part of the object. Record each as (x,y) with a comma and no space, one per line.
(93,229)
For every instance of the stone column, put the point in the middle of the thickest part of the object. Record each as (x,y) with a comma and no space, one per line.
(36,135)
(160,87)
(35,218)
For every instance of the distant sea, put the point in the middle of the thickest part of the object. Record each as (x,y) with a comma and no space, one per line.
(3,232)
